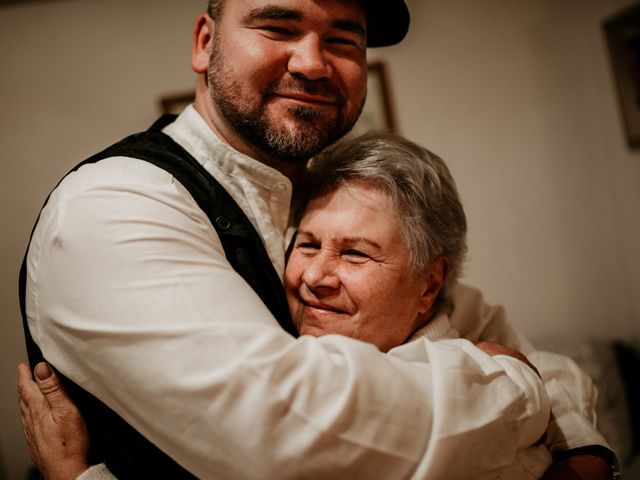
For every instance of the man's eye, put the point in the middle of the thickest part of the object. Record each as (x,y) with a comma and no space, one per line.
(346,43)
(342,41)
(277,30)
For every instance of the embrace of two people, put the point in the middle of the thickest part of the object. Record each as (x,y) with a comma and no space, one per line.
(154,284)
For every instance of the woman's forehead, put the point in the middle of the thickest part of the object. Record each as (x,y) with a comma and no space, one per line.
(351,210)
(350,193)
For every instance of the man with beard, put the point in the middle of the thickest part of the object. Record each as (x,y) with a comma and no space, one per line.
(153,279)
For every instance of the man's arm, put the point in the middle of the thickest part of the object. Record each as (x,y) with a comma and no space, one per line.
(130,296)
(570,390)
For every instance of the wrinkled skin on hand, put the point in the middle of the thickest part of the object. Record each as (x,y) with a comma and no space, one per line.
(53,427)
(493,349)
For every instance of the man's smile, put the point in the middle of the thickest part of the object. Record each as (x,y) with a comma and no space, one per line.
(309,99)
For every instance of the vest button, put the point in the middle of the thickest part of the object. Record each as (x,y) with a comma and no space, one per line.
(223,223)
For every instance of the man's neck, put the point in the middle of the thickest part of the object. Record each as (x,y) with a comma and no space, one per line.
(228,135)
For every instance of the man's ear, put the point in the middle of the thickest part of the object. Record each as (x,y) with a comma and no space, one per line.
(200,50)
(436,276)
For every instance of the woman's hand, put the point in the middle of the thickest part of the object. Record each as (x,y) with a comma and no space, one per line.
(491,348)
(53,427)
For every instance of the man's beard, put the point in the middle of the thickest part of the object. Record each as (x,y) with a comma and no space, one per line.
(295,139)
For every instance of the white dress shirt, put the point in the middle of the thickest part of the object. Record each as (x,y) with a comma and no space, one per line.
(129,295)
(531,462)
(572,394)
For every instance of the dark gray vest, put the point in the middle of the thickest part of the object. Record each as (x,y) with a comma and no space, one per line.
(127,453)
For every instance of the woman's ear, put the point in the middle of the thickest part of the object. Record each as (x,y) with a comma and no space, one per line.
(436,276)
(200,49)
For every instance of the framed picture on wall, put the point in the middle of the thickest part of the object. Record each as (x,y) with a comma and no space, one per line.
(622,32)
(176,102)
(377,113)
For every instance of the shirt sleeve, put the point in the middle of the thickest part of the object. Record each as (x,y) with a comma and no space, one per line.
(96,472)
(465,420)
(571,392)
(530,464)
(130,296)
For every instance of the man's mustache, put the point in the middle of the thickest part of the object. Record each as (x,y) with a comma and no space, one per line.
(323,88)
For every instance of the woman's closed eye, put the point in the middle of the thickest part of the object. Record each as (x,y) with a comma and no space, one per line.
(355,256)
(308,247)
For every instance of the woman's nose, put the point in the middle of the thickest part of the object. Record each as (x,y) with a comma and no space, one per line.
(320,273)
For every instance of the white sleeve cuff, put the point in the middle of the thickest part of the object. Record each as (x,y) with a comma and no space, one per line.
(97,472)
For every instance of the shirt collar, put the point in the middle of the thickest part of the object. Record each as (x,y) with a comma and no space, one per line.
(192,132)
(436,329)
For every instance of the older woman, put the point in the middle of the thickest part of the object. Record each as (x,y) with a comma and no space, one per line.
(380,243)
(381,239)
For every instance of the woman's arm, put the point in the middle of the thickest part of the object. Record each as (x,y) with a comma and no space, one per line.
(53,427)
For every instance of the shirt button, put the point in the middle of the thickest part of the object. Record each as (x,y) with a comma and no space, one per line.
(223,223)
(281,187)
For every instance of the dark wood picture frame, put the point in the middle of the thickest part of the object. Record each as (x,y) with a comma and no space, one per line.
(622,32)
(377,113)
(176,102)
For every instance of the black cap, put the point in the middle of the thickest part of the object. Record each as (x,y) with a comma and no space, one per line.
(387,22)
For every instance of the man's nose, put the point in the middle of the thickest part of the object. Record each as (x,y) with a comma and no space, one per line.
(309,59)
(320,274)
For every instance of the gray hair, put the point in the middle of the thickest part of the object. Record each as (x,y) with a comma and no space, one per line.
(420,186)
(214,9)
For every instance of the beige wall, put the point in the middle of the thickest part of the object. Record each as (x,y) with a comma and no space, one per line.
(515,94)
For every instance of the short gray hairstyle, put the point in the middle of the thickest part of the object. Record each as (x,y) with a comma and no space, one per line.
(420,186)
